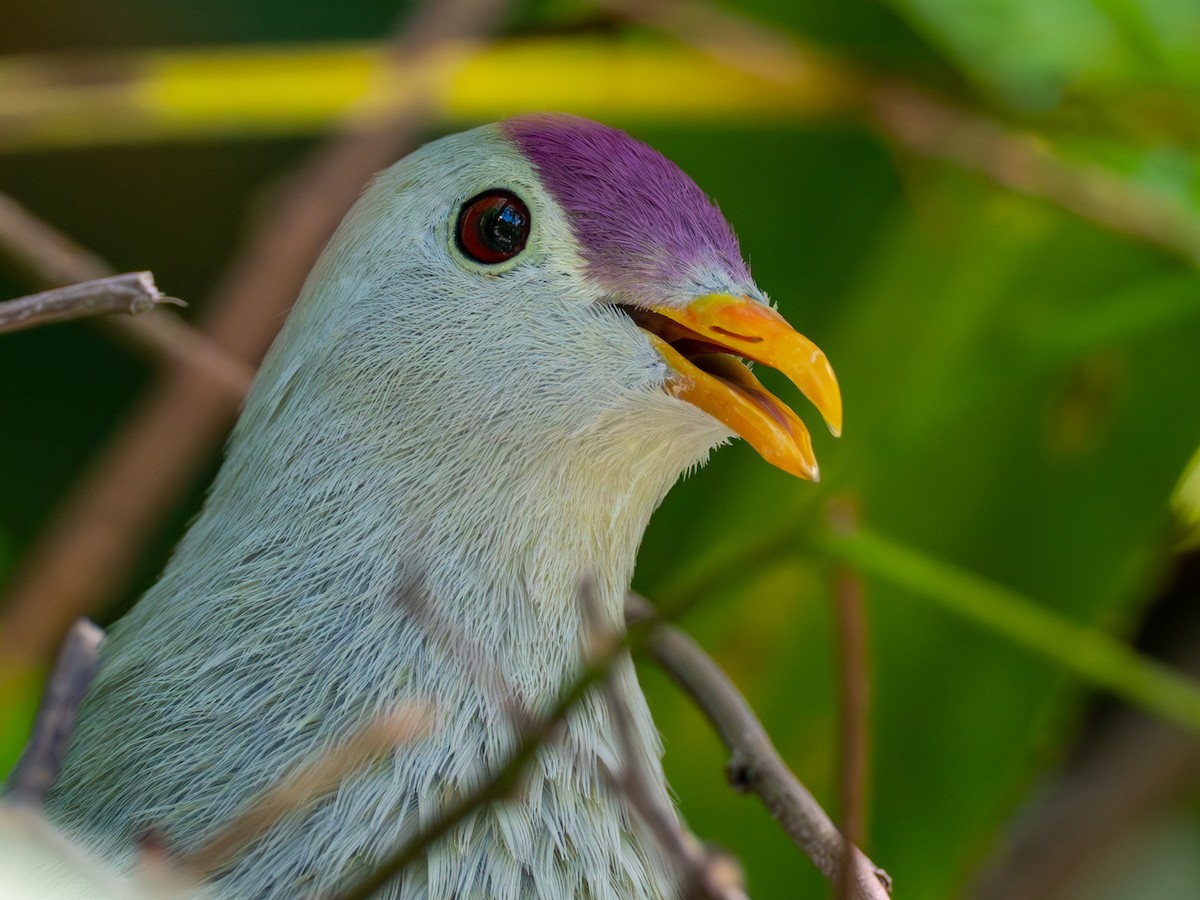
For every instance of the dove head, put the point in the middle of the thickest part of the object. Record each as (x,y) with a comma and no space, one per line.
(540,306)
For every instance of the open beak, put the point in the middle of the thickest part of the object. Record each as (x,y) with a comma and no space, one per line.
(700,342)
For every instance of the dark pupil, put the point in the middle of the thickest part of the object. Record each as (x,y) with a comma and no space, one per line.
(502,228)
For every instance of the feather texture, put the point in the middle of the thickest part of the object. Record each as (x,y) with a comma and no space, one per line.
(432,455)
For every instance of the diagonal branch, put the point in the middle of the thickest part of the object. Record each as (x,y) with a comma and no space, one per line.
(50,259)
(1026,163)
(300,786)
(502,783)
(132,293)
(754,765)
(703,875)
(933,127)
(76,666)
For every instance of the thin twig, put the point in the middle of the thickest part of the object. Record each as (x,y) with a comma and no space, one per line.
(502,783)
(932,127)
(87,552)
(471,655)
(853,701)
(51,259)
(703,875)
(731,39)
(309,780)
(754,764)
(76,666)
(42,253)
(1023,162)
(132,293)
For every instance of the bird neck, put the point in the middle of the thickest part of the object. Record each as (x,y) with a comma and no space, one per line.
(489,534)
(362,583)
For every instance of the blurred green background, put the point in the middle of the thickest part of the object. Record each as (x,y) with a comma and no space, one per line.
(1022,387)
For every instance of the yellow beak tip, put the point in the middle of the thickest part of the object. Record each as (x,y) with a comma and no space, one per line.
(728,328)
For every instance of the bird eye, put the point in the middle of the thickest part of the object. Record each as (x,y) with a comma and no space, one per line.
(493,226)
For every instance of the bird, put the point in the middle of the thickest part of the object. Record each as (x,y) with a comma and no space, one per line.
(518,339)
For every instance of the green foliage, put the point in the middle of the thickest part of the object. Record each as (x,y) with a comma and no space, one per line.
(1007,374)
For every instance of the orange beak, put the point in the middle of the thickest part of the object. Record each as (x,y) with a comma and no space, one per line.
(699,341)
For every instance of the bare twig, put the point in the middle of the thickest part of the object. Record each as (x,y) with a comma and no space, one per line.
(925,124)
(731,39)
(754,763)
(703,875)
(474,659)
(854,684)
(853,702)
(707,874)
(84,549)
(931,127)
(76,666)
(86,553)
(50,259)
(132,293)
(41,252)
(306,782)
(500,785)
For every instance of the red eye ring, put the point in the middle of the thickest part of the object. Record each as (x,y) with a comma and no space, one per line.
(493,226)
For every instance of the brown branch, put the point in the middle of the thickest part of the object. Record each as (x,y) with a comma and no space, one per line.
(932,127)
(719,876)
(78,660)
(41,252)
(754,764)
(848,602)
(474,659)
(853,701)
(309,780)
(731,39)
(1025,163)
(131,293)
(85,555)
(50,259)
(703,875)
(500,785)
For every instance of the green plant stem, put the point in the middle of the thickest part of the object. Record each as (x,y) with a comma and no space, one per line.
(1085,651)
